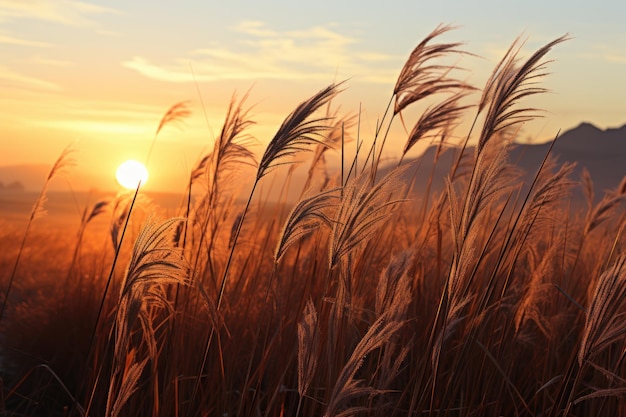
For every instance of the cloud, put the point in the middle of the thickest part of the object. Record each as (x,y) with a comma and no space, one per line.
(99,127)
(66,12)
(259,52)
(92,118)
(610,54)
(604,53)
(13,78)
(11,40)
(615,58)
(40,60)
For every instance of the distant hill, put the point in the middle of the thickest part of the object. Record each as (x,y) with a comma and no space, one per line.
(12,186)
(601,152)
(31,177)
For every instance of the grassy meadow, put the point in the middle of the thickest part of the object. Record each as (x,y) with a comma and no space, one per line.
(361,298)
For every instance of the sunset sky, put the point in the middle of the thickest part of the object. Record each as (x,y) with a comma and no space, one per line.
(100,74)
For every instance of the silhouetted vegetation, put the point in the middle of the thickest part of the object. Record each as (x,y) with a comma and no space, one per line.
(361,298)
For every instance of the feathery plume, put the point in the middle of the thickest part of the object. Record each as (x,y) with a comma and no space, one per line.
(174,114)
(435,120)
(420,78)
(602,211)
(393,283)
(605,322)
(508,84)
(362,210)
(60,167)
(154,263)
(231,146)
(97,209)
(347,387)
(308,348)
(551,188)
(129,384)
(297,131)
(306,216)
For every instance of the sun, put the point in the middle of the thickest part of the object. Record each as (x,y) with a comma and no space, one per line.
(130,173)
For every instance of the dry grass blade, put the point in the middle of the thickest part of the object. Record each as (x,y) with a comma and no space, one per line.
(602,211)
(154,259)
(231,146)
(120,211)
(62,164)
(305,217)
(605,323)
(498,73)
(308,348)
(97,209)
(552,187)
(347,388)
(219,169)
(174,114)
(124,204)
(199,170)
(297,131)
(435,120)
(362,211)
(393,297)
(535,295)
(130,378)
(542,206)
(420,78)
(332,141)
(154,263)
(452,322)
(492,179)
(509,84)
(598,393)
(394,283)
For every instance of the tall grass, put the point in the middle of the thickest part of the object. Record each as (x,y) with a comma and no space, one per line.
(484,298)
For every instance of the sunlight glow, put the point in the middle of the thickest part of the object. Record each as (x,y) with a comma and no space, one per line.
(130,173)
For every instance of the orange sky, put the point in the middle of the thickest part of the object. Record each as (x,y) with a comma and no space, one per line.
(99,75)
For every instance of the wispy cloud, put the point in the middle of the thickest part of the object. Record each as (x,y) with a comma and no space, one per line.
(90,118)
(100,127)
(611,54)
(615,58)
(12,40)
(51,62)
(67,12)
(603,53)
(11,78)
(259,52)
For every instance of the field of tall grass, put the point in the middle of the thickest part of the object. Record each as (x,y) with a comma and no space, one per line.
(362,298)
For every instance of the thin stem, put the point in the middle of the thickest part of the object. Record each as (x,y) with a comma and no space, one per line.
(108,284)
(221,294)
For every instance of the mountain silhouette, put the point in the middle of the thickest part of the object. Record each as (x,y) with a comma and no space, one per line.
(30,176)
(601,152)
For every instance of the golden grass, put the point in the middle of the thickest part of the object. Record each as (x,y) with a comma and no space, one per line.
(361,300)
